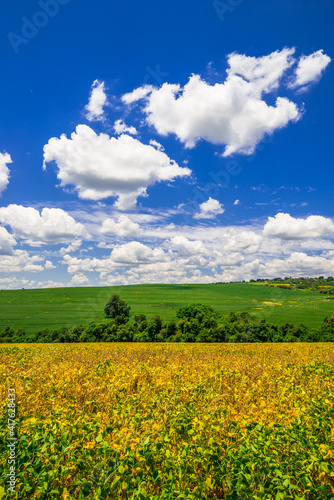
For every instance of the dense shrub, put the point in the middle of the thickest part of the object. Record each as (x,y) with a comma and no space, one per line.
(327,330)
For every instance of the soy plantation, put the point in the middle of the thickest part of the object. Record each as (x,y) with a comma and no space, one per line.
(170,421)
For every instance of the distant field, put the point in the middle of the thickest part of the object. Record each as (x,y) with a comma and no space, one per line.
(34,310)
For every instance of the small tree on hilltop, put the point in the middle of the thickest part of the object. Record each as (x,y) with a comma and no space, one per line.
(117,309)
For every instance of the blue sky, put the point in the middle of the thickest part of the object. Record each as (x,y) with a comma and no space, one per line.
(182,141)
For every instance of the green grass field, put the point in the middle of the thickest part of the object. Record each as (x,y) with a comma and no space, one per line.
(34,310)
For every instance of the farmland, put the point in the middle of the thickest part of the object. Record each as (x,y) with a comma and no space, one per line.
(35,310)
(167,421)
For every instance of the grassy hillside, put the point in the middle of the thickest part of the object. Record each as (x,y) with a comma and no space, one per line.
(34,310)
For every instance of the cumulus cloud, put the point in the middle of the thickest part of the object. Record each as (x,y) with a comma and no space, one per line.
(135,252)
(72,247)
(233,113)
(123,227)
(48,265)
(7,241)
(79,279)
(310,69)
(242,240)
(99,166)
(121,128)
(97,100)
(127,255)
(237,202)
(199,254)
(51,226)
(209,209)
(297,264)
(13,282)
(20,261)
(4,171)
(137,94)
(264,72)
(286,227)
(186,247)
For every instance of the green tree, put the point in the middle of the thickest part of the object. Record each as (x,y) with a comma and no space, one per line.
(154,328)
(117,309)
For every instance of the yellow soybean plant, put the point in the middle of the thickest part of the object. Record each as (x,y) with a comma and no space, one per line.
(170,421)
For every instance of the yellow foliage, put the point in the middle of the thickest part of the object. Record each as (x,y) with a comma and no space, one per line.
(172,393)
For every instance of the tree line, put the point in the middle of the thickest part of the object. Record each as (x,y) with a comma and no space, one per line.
(193,323)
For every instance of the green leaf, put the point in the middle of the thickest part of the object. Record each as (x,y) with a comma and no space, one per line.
(115,482)
(99,438)
(2,491)
(156,474)
(324,467)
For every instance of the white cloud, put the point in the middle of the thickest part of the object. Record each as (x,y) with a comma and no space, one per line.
(199,254)
(123,227)
(7,241)
(72,247)
(232,113)
(286,227)
(315,244)
(20,261)
(100,167)
(209,209)
(137,94)
(264,72)
(237,202)
(97,100)
(296,264)
(242,240)
(48,265)
(127,255)
(299,264)
(188,254)
(186,247)
(4,171)
(79,279)
(121,128)
(14,283)
(174,271)
(310,68)
(51,226)
(135,252)
(157,145)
